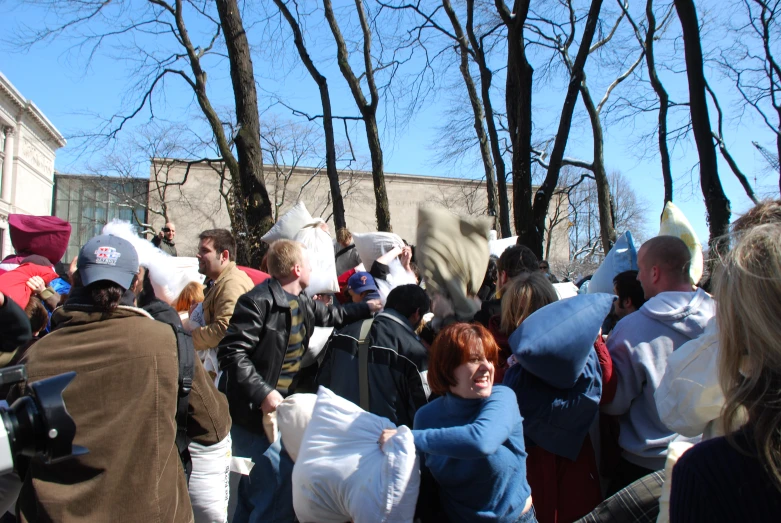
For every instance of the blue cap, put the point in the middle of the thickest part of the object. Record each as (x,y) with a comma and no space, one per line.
(361,282)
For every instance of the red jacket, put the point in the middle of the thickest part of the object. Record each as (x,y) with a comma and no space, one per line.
(14,283)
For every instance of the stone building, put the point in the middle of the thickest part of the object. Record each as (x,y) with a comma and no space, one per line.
(191,193)
(28,142)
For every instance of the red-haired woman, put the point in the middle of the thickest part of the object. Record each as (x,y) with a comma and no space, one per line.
(471,438)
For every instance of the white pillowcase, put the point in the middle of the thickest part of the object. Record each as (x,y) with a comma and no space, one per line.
(341,473)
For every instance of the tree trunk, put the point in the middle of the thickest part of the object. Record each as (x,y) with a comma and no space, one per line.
(486,76)
(254,204)
(378,176)
(328,123)
(545,192)
(519,122)
(477,111)
(606,222)
(716,201)
(664,101)
(368,108)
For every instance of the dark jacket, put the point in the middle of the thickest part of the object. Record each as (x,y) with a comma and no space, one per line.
(164,245)
(123,400)
(488,309)
(253,349)
(397,361)
(14,326)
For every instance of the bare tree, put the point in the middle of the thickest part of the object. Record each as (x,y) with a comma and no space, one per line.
(554,39)
(328,121)
(368,108)
(586,249)
(531,234)
(288,146)
(646,41)
(757,76)
(716,201)
(94,23)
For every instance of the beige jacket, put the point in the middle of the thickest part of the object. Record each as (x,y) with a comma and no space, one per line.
(218,306)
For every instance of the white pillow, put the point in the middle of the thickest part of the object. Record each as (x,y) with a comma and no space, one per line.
(323,279)
(293,415)
(497,247)
(289,224)
(674,223)
(342,474)
(622,257)
(372,245)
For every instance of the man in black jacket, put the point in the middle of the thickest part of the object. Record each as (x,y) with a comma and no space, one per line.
(397,360)
(260,356)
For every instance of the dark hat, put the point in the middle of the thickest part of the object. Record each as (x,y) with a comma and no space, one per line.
(361,282)
(108,257)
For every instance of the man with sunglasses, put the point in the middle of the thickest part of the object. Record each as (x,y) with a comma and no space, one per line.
(165,239)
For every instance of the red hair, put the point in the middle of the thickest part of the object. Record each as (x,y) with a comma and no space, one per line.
(454,346)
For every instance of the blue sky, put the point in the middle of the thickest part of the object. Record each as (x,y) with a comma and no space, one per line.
(70,95)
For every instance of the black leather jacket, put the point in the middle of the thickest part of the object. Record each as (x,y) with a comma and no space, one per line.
(253,349)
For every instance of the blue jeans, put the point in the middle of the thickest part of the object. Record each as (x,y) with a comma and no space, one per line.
(529,517)
(266,495)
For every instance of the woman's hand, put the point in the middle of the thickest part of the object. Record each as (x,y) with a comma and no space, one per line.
(36,284)
(385,436)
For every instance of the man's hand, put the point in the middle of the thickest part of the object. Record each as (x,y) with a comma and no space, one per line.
(374,305)
(72,269)
(2,299)
(270,403)
(37,284)
(385,436)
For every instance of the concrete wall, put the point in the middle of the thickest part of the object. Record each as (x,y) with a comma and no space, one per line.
(196,205)
(28,142)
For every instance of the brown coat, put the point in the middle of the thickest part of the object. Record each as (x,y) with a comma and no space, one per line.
(123,400)
(218,306)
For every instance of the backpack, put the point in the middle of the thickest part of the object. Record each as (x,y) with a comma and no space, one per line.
(186,358)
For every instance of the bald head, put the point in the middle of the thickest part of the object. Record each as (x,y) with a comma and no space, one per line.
(664,263)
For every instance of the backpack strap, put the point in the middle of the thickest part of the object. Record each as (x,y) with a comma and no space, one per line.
(345,250)
(363,363)
(186,353)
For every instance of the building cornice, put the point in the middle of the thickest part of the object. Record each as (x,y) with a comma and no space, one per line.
(309,171)
(28,107)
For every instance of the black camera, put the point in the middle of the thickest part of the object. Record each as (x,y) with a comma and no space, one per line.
(37,425)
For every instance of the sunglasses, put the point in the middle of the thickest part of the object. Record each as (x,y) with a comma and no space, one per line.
(166,229)
(543,266)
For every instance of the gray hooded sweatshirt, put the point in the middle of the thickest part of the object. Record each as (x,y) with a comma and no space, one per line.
(639,346)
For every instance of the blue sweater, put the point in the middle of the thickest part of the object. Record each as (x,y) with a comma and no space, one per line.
(474,449)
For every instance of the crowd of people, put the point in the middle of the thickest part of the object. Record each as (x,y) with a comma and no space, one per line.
(658,402)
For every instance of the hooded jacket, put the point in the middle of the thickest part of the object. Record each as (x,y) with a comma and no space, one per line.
(640,345)
(398,363)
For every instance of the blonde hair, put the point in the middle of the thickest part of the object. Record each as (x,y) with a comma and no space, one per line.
(748,295)
(192,293)
(283,255)
(523,295)
(343,236)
